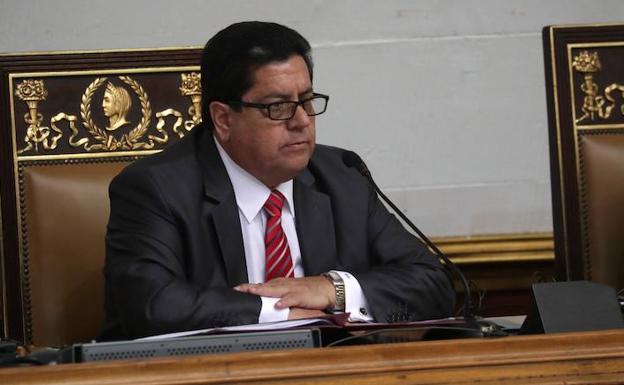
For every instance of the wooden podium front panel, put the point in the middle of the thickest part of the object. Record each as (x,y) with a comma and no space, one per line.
(571,358)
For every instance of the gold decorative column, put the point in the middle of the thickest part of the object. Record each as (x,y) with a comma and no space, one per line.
(32,92)
(191,86)
(588,64)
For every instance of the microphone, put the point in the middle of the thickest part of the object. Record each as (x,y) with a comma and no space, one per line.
(351,159)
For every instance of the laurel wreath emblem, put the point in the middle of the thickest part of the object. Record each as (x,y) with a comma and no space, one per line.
(107,141)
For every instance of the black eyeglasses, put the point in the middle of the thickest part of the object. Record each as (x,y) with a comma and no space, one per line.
(315,105)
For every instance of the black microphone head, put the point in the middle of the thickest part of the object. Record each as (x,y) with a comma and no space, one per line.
(351,159)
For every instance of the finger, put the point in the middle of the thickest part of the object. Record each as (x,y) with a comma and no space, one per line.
(297,313)
(293,299)
(281,282)
(285,302)
(243,288)
(269,291)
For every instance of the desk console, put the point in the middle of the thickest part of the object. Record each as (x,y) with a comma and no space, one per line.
(210,344)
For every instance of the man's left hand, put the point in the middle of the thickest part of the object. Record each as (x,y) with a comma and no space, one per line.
(307,292)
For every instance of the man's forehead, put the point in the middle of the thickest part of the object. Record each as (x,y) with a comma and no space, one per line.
(281,65)
(268,76)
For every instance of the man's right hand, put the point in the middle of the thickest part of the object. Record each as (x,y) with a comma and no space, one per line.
(298,313)
(313,292)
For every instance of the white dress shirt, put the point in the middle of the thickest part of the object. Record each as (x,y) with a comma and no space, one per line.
(251,194)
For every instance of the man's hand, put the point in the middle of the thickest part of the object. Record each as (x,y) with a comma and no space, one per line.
(298,313)
(313,293)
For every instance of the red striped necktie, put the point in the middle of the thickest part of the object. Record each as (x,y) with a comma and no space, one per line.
(278,260)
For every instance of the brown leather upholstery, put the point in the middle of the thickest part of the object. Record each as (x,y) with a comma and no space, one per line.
(586,127)
(66,210)
(602,199)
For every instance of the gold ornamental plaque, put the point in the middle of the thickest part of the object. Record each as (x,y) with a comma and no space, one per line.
(78,113)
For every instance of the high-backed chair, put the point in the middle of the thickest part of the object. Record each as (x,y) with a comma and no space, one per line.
(69,124)
(585,89)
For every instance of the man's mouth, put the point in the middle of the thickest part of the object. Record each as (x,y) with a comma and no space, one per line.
(297,144)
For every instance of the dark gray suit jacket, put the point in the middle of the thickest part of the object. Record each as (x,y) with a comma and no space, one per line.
(174,248)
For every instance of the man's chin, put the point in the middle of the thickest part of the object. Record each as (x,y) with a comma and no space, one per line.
(294,166)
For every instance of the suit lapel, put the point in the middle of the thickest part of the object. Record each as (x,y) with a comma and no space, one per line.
(224,215)
(315,226)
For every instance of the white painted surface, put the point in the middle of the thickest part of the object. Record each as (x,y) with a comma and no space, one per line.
(443,99)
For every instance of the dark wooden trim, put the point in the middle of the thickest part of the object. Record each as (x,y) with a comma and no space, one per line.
(567,212)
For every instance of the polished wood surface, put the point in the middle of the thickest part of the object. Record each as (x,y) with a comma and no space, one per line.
(570,358)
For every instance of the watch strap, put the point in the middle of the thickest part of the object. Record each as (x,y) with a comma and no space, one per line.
(339,288)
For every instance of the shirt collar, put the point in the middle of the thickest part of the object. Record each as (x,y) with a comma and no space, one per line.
(250,193)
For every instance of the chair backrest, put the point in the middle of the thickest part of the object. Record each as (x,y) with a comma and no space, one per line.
(585,89)
(69,123)
(65,211)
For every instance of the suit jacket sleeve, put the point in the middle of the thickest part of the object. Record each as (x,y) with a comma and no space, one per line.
(400,278)
(406,282)
(151,285)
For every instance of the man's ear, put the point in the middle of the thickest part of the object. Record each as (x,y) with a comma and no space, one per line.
(220,114)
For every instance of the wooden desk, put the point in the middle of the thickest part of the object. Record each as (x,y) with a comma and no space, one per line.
(574,358)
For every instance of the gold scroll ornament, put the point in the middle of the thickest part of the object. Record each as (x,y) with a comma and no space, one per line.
(594,105)
(191,86)
(116,104)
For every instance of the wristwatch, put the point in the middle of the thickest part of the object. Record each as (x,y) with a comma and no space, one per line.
(339,288)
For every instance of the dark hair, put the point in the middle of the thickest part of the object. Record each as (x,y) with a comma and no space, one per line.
(232,55)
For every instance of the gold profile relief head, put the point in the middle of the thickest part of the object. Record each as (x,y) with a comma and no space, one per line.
(116,105)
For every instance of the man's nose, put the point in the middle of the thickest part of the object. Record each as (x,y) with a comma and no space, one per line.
(300,119)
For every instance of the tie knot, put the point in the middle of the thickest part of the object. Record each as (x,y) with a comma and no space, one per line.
(275,202)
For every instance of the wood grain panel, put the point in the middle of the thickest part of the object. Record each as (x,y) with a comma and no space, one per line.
(571,358)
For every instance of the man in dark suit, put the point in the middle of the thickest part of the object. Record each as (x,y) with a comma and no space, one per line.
(247,220)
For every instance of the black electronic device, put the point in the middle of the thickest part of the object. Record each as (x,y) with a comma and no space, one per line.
(572,306)
(8,348)
(206,344)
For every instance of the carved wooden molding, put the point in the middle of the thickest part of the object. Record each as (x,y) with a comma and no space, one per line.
(506,248)
(579,358)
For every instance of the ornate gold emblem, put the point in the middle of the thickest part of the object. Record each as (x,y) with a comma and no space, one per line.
(116,103)
(32,92)
(594,104)
(117,117)
(115,97)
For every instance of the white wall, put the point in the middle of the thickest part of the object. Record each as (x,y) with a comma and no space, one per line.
(444,99)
